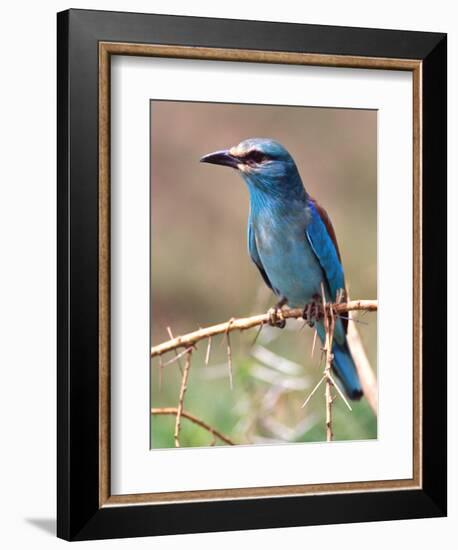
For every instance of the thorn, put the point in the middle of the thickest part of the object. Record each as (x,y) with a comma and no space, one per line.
(258,332)
(314,342)
(331,379)
(229,352)
(170,333)
(207,355)
(177,357)
(229,359)
(351,319)
(313,391)
(323,354)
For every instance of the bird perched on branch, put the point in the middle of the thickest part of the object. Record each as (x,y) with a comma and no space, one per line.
(292,242)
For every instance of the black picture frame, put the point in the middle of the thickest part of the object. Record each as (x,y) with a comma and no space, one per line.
(79,513)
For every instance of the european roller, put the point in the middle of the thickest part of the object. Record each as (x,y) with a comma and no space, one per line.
(291,241)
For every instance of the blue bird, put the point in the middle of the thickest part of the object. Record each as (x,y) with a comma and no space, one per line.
(291,240)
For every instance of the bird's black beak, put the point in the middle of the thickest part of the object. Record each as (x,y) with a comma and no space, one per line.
(224,158)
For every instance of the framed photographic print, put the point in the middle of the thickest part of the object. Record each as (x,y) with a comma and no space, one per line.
(250,330)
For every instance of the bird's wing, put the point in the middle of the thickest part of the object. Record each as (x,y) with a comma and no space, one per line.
(322,239)
(252,249)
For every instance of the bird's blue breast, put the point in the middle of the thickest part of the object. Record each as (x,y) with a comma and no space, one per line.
(287,257)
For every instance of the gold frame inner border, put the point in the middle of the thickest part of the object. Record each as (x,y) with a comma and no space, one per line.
(106,50)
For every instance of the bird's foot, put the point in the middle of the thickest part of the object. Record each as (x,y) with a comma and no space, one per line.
(276,318)
(313,311)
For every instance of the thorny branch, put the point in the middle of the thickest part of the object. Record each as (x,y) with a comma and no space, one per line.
(185,414)
(329,322)
(245,323)
(328,311)
(329,325)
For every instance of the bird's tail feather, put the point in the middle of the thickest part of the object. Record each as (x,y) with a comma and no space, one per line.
(345,369)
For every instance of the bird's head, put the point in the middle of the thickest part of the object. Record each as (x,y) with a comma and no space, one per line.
(264,164)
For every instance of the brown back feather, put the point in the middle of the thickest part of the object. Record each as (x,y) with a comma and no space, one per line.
(327,222)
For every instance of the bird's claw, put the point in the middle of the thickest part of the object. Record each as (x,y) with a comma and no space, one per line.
(276,318)
(312,311)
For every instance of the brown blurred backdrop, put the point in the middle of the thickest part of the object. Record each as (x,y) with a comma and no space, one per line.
(201,272)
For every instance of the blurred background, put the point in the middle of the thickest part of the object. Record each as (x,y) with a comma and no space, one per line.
(201,273)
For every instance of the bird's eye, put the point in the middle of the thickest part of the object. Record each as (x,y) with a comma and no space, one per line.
(255,157)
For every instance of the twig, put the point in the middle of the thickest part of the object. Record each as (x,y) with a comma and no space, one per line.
(245,323)
(363,367)
(183,387)
(161,371)
(184,414)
